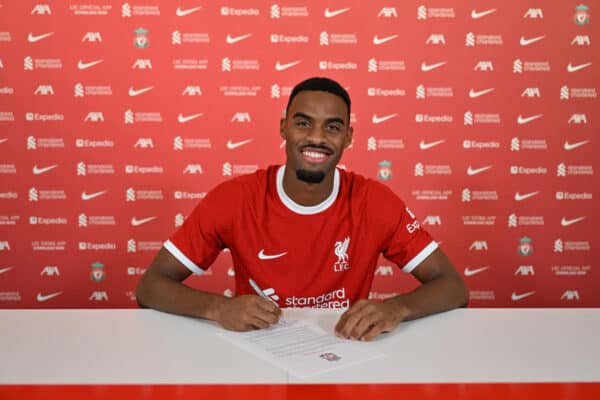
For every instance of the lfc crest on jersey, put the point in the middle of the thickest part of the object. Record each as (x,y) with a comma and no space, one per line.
(341,251)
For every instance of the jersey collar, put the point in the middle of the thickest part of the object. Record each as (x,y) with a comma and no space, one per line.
(307,210)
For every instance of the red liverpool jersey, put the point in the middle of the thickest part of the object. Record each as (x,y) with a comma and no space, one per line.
(317,256)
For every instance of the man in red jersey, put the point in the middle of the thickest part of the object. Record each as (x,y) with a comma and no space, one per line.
(307,233)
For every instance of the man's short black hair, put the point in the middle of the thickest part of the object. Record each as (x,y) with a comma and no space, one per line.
(321,84)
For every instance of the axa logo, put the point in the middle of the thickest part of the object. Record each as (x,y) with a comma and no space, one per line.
(142,63)
(341,251)
(388,12)
(525,270)
(577,119)
(534,13)
(570,295)
(484,66)
(41,9)
(241,117)
(432,220)
(436,39)
(98,295)
(144,143)
(92,37)
(192,90)
(50,270)
(44,90)
(531,92)
(4,245)
(94,116)
(193,169)
(384,270)
(478,245)
(581,40)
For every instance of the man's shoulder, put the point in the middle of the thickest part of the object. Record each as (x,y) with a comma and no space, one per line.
(247,183)
(367,188)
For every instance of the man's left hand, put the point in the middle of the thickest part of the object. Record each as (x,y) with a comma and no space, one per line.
(367,319)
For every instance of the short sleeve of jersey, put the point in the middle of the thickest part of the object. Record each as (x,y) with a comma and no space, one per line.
(203,234)
(408,243)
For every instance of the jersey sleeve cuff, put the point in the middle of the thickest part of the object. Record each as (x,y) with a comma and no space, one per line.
(182,258)
(412,264)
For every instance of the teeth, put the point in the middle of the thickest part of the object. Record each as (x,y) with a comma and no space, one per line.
(314,154)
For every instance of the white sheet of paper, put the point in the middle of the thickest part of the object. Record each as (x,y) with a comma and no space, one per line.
(303,348)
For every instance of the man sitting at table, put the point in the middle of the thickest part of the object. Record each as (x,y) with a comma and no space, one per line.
(307,233)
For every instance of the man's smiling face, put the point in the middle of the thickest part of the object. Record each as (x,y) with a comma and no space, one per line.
(317,131)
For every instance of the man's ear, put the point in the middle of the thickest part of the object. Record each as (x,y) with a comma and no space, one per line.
(349,136)
(282,127)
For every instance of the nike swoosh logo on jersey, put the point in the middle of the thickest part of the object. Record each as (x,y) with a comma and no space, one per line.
(331,14)
(3,270)
(428,67)
(567,222)
(571,146)
(182,13)
(471,272)
(474,94)
(575,68)
(377,40)
(38,171)
(234,39)
(524,120)
(36,38)
(517,297)
(82,65)
(136,92)
(86,197)
(378,120)
(183,119)
(471,171)
(234,145)
(263,256)
(426,146)
(42,297)
(283,67)
(138,222)
(476,15)
(521,197)
(527,42)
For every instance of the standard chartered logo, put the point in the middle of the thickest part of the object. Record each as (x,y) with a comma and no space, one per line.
(372,65)
(176,38)
(82,221)
(128,117)
(28,63)
(470,39)
(81,170)
(518,66)
(131,246)
(275,91)
(564,92)
(420,92)
(466,195)
(126,10)
(512,221)
(371,144)
(178,143)
(31,143)
(227,169)
(275,11)
(468,118)
(130,195)
(419,170)
(324,39)
(226,65)
(79,90)
(422,12)
(515,144)
(33,194)
(561,170)
(558,246)
(179,220)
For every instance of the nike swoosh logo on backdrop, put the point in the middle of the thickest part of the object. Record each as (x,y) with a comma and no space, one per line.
(42,297)
(521,197)
(377,40)
(182,13)
(331,14)
(378,120)
(3,270)
(3,140)
(282,67)
(428,67)
(82,65)
(38,171)
(571,146)
(263,256)
(183,119)
(575,68)
(471,272)
(476,15)
(524,120)
(136,92)
(86,197)
(138,222)
(567,222)
(426,146)
(234,39)
(517,297)
(527,42)
(36,38)
(474,94)
(234,145)
(471,171)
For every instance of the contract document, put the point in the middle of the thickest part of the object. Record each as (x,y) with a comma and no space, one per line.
(303,348)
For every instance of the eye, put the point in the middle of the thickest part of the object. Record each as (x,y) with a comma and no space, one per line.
(334,127)
(302,123)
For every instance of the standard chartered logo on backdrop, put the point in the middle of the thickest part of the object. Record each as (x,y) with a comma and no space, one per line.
(227,169)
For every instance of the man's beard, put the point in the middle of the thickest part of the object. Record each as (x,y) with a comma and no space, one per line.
(310,176)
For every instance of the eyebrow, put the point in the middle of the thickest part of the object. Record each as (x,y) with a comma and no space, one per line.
(328,120)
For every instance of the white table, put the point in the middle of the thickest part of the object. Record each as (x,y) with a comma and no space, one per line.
(148,347)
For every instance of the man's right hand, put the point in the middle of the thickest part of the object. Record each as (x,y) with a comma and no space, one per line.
(246,312)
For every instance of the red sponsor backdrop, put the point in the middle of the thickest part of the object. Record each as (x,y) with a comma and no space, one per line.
(116,118)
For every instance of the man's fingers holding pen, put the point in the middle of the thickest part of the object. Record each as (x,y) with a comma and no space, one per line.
(247,312)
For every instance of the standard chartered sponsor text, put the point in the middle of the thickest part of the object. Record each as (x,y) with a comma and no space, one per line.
(333,299)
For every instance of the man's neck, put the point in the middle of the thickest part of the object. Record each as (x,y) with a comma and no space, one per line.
(304,193)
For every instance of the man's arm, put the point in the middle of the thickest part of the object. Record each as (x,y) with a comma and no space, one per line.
(442,289)
(161,288)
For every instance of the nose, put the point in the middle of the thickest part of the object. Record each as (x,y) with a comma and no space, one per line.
(316,134)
